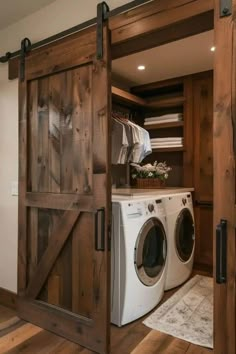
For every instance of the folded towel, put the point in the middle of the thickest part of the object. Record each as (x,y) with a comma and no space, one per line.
(170,144)
(165,116)
(171,120)
(163,146)
(174,139)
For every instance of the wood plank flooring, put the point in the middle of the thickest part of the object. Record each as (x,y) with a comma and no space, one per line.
(17,336)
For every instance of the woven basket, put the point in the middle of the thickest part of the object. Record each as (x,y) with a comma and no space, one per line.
(149,183)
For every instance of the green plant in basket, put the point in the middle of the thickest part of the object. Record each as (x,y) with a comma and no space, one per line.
(157,170)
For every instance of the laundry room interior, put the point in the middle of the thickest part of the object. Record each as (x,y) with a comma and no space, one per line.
(168,92)
(124,240)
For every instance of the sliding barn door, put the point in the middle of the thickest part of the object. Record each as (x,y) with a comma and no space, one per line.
(64,190)
(224,178)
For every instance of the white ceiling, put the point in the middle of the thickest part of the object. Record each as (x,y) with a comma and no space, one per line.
(13,10)
(187,56)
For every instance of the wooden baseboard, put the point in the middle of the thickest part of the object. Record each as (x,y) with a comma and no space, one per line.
(8,298)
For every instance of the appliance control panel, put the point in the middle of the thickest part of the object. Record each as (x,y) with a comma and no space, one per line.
(145,207)
(154,207)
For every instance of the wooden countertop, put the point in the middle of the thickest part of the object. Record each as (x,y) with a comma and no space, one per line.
(135,192)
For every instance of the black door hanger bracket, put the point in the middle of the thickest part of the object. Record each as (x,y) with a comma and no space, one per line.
(102,16)
(225,8)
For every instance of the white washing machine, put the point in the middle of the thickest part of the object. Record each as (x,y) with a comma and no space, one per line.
(180,238)
(138,258)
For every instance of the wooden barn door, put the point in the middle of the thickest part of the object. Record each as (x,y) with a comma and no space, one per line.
(64,190)
(224,178)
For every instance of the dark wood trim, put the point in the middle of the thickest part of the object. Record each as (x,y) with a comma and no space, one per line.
(59,201)
(125,96)
(189,27)
(142,89)
(164,125)
(166,102)
(8,298)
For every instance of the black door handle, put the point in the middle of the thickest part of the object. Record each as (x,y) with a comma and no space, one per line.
(221,252)
(100,229)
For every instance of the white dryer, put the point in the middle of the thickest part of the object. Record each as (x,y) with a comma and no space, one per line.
(138,258)
(181,238)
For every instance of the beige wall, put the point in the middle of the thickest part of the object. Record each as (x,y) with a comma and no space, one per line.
(54,18)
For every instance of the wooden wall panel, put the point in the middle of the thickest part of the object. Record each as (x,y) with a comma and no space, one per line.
(203,136)
(204,236)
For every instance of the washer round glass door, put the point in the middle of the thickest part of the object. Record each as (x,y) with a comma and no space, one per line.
(150,252)
(184,235)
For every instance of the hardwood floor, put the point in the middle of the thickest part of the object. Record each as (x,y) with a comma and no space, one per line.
(17,336)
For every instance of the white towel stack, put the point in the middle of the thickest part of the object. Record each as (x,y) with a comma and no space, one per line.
(167,118)
(159,143)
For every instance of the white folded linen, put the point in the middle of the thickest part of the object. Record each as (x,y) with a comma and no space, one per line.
(174,139)
(165,116)
(161,121)
(166,146)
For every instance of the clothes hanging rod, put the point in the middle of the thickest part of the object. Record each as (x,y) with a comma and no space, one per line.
(119,10)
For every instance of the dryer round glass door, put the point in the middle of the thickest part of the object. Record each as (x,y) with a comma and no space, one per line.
(150,252)
(184,235)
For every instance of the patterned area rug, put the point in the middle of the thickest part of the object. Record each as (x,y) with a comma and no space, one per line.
(188,314)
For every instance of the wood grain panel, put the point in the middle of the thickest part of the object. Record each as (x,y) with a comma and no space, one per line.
(77,49)
(204,236)
(42,135)
(54,145)
(59,201)
(224,174)
(66,132)
(82,127)
(188,134)
(203,134)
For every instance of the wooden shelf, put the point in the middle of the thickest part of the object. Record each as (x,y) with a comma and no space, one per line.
(128,97)
(170,149)
(166,102)
(164,125)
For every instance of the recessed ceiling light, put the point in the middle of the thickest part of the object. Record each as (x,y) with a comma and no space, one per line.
(141,67)
(213,49)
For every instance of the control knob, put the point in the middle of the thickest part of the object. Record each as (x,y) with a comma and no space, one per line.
(151,207)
